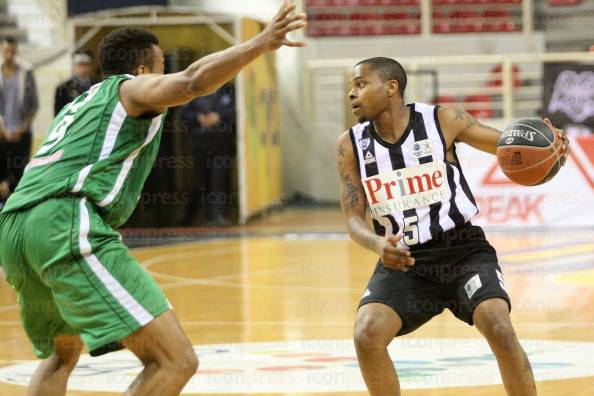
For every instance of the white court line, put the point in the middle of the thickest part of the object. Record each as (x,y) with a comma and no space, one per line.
(234,285)
(350,322)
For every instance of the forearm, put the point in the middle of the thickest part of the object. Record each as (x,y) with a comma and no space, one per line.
(488,147)
(209,73)
(360,233)
(473,132)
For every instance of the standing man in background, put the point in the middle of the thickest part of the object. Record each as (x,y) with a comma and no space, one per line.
(81,80)
(18,105)
(211,121)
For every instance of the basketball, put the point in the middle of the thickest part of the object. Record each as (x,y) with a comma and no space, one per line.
(529,152)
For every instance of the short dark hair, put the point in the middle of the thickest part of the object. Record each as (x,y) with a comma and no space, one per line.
(387,69)
(123,50)
(10,40)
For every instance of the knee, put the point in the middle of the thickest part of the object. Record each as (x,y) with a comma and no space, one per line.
(370,334)
(183,363)
(67,352)
(502,336)
(189,363)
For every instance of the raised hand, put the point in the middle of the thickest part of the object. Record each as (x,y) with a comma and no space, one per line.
(274,35)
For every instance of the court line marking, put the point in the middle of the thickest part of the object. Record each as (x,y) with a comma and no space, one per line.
(317,323)
(549,253)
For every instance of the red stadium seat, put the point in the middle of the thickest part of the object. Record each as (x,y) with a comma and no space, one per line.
(484,106)
(564,3)
(388,16)
(495,80)
(446,100)
(442,27)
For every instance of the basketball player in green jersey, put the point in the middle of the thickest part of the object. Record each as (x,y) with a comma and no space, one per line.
(58,245)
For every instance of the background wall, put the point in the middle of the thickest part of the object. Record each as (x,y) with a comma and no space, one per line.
(290,66)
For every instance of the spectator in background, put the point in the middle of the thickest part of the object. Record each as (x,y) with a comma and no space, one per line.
(18,105)
(79,83)
(211,121)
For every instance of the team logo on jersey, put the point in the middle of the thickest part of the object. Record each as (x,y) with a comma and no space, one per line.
(406,188)
(364,143)
(422,148)
(369,158)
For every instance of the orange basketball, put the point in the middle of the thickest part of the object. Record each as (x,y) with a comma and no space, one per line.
(529,152)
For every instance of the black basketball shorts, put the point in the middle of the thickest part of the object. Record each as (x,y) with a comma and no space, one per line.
(458,270)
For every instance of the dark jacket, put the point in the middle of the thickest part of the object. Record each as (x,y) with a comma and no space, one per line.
(29,101)
(70,90)
(222,102)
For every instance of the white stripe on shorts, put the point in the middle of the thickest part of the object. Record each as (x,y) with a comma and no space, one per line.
(116,289)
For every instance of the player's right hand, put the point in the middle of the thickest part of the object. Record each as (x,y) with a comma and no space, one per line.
(561,134)
(393,257)
(274,35)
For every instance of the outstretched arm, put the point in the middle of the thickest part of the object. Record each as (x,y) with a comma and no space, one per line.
(153,93)
(353,204)
(458,125)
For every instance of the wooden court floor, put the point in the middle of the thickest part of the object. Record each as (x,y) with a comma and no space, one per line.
(294,276)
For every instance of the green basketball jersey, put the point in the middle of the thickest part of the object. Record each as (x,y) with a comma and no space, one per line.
(94,149)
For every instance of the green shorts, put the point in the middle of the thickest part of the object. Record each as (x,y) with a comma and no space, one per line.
(73,275)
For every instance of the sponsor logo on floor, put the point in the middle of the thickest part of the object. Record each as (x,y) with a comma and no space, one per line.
(317,366)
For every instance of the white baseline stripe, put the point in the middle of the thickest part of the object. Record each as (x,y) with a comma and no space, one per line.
(82,176)
(384,164)
(444,212)
(115,124)
(465,206)
(357,134)
(127,165)
(410,161)
(121,295)
(113,128)
(445,221)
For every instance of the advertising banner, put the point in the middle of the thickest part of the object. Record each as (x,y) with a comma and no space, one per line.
(262,165)
(568,96)
(566,200)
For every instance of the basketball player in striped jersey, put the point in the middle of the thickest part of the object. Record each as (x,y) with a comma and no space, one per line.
(58,246)
(400,161)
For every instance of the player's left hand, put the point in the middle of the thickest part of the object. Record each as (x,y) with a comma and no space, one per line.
(561,134)
(284,22)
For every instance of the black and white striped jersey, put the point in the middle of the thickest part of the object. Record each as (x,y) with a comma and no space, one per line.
(411,188)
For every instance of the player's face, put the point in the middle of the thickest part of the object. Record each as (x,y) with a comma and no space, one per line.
(367,95)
